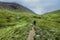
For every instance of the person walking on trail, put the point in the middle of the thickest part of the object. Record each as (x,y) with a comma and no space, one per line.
(34,23)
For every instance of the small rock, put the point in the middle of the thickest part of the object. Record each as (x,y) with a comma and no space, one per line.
(37,36)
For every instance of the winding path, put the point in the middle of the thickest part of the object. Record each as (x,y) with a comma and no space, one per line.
(31,34)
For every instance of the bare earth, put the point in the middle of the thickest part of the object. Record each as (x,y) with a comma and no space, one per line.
(31,34)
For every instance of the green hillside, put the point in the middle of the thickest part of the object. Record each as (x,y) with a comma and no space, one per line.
(48,26)
(15,25)
(10,18)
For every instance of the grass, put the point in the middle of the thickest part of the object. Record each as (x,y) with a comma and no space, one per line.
(15,25)
(48,27)
(17,32)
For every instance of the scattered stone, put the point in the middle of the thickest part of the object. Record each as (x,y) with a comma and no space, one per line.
(37,36)
(52,31)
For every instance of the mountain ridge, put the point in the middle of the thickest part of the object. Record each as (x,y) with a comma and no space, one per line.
(14,6)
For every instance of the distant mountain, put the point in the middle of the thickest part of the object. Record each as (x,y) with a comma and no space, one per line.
(14,6)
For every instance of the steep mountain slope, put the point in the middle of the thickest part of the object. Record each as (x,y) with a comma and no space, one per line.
(14,23)
(14,6)
(10,13)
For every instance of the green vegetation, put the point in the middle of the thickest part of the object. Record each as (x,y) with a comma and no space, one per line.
(15,25)
(48,27)
(12,17)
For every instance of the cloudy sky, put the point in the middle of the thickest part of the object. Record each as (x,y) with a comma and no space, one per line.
(39,6)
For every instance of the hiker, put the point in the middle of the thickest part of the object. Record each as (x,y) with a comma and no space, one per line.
(34,23)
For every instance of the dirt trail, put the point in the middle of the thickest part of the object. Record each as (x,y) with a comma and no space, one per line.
(31,34)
